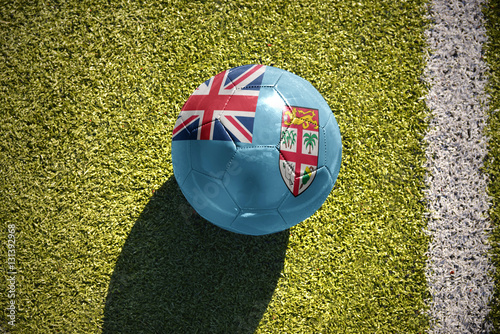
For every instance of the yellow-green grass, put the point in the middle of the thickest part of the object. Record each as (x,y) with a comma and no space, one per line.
(105,241)
(492,13)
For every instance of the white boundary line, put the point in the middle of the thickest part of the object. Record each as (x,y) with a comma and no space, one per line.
(458,266)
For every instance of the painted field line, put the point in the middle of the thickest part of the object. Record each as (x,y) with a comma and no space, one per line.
(458,266)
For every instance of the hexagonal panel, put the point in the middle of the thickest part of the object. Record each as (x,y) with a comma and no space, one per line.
(272,76)
(211,156)
(258,222)
(267,126)
(209,198)
(333,150)
(253,178)
(299,92)
(296,209)
(181,159)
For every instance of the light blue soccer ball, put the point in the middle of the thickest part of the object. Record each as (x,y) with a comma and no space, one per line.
(256,150)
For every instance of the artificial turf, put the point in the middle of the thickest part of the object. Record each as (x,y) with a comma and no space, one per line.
(105,241)
(492,14)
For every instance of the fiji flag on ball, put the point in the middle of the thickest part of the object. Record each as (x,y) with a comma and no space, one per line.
(256,149)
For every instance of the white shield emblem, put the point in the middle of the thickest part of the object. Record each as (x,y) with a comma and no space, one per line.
(299,147)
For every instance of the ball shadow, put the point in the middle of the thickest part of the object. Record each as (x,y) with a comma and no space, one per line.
(177,273)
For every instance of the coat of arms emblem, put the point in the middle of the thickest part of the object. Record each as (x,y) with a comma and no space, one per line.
(299,147)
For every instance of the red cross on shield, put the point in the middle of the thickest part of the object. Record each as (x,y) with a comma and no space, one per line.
(299,146)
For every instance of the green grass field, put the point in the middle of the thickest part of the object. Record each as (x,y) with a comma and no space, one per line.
(492,13)
(106,242)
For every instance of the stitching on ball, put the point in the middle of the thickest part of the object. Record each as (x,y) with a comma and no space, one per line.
(255,146)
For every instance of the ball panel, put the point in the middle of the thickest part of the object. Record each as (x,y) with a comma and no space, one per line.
(211,156)
(181,159)
(256,183)
(322,148)
(268,117)
(235,73)
(333,157)
(296,209)
(258,223)
(209,198)
(201,98)
(272,76)
(298,92)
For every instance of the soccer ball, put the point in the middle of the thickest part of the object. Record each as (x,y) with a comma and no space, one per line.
(256,149)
